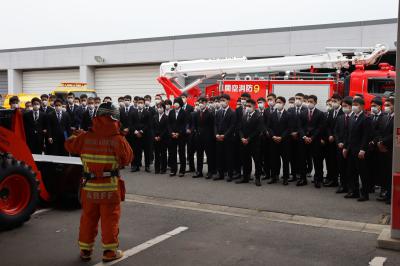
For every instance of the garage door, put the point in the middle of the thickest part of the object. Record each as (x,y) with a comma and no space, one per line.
(3,82)
(133,80)
(44,81)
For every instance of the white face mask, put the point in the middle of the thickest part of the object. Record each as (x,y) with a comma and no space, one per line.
(167,107)
(243,102)
(329,107)
(224,104)
(346,110)
(36,107)
(157,101)
(335,105)
(147,103)
(30,108)
(387,109)
(279,106)
(261,105)
(217,105)
(305,104)
(64,109)
(14,106)
(291,105)
(70,100)
(374,110)
(184,100)
(44,103)
(298,103)
(355,109)
(58,108)
(271,103)
(196,108)
(96,105)
(84,103)
(91,106)
(249,109)
(311,106)
(176,105)
(121,104)
(127,103)
(140,106)
(160,110)
(202,106)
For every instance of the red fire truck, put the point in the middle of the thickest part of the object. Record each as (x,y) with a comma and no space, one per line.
(284,76)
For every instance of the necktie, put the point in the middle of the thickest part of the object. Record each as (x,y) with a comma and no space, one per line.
(126,109)
(223,114)
(35,116)
(140,114)
(279,116)
(91,114)
(375,118)
(59,116)
(355,117)
(298,111)
(310,114)
(346,120)
(201,115)
(334,114)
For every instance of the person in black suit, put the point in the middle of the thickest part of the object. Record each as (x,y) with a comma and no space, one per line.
(139,128)
(83,107)
(124,113)
(374,160)
(73,111)
(178,122)
(249,133)
(355,149)
(47,109)
(279,128)
(88,115)
(296,145)
(59,129)
(160,131)
(152,111)
(203,129)
(35,123)
(340,133)
(385,146)
(331,145)
(264,139)
(224,134)
(190,138)
(310,132)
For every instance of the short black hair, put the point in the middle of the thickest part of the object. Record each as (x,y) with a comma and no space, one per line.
(44,96)
(312,96)
(245,94)
(36,99)
(377,100)
(140,99)
(359,101)
(13,99)
(283,99)
(348,100)
(225,96)
(261,99)
(291,99)
(128,97)
(360,95)
(71,94)
(251,101)
(135,98)
(58,100)
(97,98)
(107,97)
(299,94)
(336,96)
(391,100)
(202,99)
(121,98)
(179,101)
(147,97)
(271,95)
(168,102)
(83,96)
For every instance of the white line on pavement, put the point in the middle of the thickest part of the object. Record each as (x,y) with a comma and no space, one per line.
(130,252)
(377,261)
(41,211)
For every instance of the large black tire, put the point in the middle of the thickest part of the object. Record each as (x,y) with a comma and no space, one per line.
(10,167)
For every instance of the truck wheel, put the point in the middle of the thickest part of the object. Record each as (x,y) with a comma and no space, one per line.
(19,192)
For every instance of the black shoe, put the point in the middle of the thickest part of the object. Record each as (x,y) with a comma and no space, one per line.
(147,169)
(273,181)
(218,178)
(135,169)
(198,175)
(156,172)
(341,190)
(229,179)
(172,174)
(317,184)
(352,195)
(191,170)
(292,179)
(181,174)
(163,172)
(236,176)
(301,182)
(285,182)
(258,181)
(331,184)
(384,198)
(363,198)
(242,181)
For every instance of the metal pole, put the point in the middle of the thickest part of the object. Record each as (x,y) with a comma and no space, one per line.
(395,230)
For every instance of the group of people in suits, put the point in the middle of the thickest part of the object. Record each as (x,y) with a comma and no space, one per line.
(282,139)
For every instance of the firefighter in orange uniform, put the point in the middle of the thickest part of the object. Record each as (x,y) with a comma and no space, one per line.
(103,151)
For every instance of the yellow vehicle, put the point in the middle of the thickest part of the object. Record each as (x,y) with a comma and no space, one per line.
(23,98)
(78,88)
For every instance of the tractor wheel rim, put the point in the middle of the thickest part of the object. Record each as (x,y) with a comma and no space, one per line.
(18,194)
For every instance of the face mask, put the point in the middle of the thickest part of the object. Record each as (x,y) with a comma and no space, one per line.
(374,110)
(64,109)
(305,104)
(346,110)
(160,110)
(196,108)
(329,108)
(44,103)
(96,105)
(14,105)
(291,105)
(202,106)
(355,109)
(184,100)
(176,105)
(84,103)
(243,102)
(167,107)
(261,105)
(335,105)
(36,107)
(217,105)
(127,103)
(298,103)
(311,106)
(147,103)
(249,109)
(224,104)
(279,106)
(140,106)
(210,105)
(271,103)
(121,104)
(157,101)
(30,108)
(58,108)
(387,109)
(70,100)
(91,106)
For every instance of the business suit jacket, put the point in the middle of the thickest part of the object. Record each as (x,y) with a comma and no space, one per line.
(332,120)
(87,120)
(378,125)
(225,124)
(387,133)
(296,113)
(359,134)
(250,127)
(312,128)
(203,125)
(74,114)
(161,127)
(341,129)
(178,124)
(34,131)
(140,121)
(124,116)
(280,127)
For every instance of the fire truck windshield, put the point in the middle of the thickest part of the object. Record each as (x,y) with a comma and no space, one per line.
(381,86)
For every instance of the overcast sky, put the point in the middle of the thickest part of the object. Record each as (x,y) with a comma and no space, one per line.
(29,23)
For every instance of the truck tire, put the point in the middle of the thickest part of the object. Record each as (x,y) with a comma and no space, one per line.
(19,192)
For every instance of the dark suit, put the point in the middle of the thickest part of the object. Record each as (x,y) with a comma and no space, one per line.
(280,125)
(140,121)
(160,128)
(124,116)
(250,129)
(75,115)
(387,157)
(331,148)
(59,131)
(312,125)
(35,128)
(225,125)
(358,139)
(238,163)
(87,118)
(296,144)
(203,130)
(374,160)
(265,142)
(190,140)
(47,110)
(178,124)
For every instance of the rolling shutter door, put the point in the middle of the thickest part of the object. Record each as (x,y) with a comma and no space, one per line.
(132,80)
(3,83)
(44,81)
